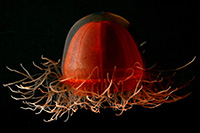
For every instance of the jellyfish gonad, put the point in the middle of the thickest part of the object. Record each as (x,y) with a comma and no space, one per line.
(101,68)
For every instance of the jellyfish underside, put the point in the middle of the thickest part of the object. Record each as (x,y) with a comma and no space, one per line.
(46,92)
(116,79)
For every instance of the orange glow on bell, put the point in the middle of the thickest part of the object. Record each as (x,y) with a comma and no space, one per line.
(98,51)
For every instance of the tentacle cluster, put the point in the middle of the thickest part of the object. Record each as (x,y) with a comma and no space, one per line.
(50,93)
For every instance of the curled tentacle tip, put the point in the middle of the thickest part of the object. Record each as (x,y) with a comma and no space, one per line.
(9,68)
(4,85)
(14,98)
(143,43)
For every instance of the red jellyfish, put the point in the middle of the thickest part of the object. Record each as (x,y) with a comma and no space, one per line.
(101,68)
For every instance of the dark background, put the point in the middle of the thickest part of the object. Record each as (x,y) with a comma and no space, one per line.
(29,29)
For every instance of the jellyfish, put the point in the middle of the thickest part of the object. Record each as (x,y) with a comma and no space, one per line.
(101,67)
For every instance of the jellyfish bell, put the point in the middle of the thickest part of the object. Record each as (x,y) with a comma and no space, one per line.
(95,17)
(100,51)
(101,68)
